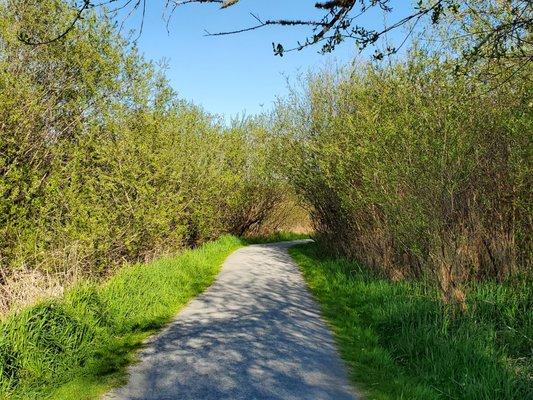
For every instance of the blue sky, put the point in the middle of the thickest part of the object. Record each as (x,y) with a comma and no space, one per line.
(236,74)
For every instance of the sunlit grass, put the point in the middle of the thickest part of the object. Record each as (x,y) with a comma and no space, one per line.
(282,236)
(401,342)
(78,346)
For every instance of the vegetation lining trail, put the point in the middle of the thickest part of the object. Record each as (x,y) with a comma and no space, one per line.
(401,342)
(77,347)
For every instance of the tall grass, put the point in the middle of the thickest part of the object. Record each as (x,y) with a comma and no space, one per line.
(402,342)
(78,345)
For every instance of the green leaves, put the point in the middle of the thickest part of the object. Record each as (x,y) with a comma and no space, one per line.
(408,169)
(101,163)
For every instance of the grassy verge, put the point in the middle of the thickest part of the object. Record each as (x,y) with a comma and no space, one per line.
(77,347)
(402,343)
(275,237)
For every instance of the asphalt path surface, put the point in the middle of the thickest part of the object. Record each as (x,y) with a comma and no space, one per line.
(255,334)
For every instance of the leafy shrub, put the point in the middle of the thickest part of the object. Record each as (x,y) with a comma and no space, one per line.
(102,164)
(415,171)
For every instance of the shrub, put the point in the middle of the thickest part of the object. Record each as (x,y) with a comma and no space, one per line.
(102,164)
(415,171)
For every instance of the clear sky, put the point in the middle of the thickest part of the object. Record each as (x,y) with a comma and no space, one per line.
(235,74)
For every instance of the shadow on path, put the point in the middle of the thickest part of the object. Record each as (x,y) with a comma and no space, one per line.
(255,334)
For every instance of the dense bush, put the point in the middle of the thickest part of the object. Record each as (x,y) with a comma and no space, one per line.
(101,163)
(414,170)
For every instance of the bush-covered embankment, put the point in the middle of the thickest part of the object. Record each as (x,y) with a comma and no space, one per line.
(77,346)
(101,163)
(416,171)
(419,181)
(402,342)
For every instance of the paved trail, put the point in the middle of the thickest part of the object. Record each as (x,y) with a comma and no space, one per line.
(256,334)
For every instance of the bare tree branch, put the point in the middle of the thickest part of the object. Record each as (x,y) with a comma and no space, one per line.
(511,37)
(25,39)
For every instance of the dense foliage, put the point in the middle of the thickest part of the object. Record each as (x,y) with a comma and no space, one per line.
(416,171)
(421,174)
(101,163)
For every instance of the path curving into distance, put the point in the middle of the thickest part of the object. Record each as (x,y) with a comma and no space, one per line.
(255,334)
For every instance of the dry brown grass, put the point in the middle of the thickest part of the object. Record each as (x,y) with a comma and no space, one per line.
(23,287)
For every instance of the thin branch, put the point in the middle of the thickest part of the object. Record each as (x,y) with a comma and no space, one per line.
(262,24)
(86,5)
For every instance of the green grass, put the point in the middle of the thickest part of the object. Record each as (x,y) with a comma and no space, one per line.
(282,236)
(401,342)
(77,347)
